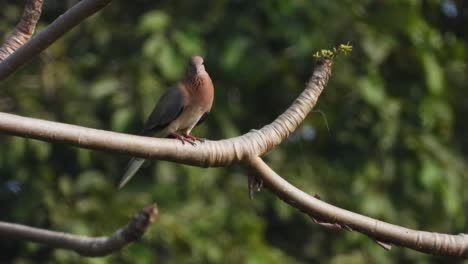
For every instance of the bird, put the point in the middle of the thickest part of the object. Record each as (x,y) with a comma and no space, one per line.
(182,107)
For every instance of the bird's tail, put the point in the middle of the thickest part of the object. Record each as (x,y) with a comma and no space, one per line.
(133,165)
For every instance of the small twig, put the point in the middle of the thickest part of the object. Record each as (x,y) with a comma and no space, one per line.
(24,30)
(323,116)
(384,245)
(329,225)
(254,183)
(83,245)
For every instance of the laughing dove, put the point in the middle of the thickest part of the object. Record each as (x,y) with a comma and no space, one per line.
(182,107)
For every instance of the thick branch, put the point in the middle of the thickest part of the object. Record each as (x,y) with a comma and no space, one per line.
(432,243)
(83,245)
(210,153)
(45,38)
(24,30)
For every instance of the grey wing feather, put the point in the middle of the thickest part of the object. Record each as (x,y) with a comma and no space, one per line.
(133,165)
(170,105)
(168,108)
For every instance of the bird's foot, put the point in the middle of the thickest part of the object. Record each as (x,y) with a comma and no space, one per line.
(183,138)
(193,138)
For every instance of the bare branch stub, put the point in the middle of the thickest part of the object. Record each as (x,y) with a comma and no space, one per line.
(140,222)
(24,30)
(254,184)
(85,246)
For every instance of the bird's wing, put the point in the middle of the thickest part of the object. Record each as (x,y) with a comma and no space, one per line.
(133,166)
(168,108)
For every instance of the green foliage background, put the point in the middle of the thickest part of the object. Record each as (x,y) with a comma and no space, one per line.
(396,149)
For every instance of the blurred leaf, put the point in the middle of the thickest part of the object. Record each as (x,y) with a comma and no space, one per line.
(104,87)
(152,21)
(377,46)
(139,253)
(40,148)
(17,148)
(434,112)
(189,44)
(65,186)
(121,119)
(372,90)
(169,63)
(452,200)
(84,158)
(434,74)
(431,174)
(153,45)
(235,50)
(90,181)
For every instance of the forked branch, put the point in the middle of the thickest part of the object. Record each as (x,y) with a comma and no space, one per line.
(49,35)
(246,148)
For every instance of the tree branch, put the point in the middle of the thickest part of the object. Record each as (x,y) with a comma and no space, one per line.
(45,38)
(210,153)
(83,245)
(24,30)
(246,148)
(428,242)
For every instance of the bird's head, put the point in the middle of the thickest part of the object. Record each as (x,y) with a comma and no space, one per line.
(195,66)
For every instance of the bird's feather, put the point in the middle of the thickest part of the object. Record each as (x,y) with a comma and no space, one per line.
(133,165)
(168,108)
(202,118)
(178,110)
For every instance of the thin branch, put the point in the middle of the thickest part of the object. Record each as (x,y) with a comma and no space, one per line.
(83,245)
(428,242)
(45,38)
(24,30)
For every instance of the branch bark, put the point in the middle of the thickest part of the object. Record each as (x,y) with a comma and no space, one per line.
(83,245)
(428,242)
(24,30)
(54,31)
